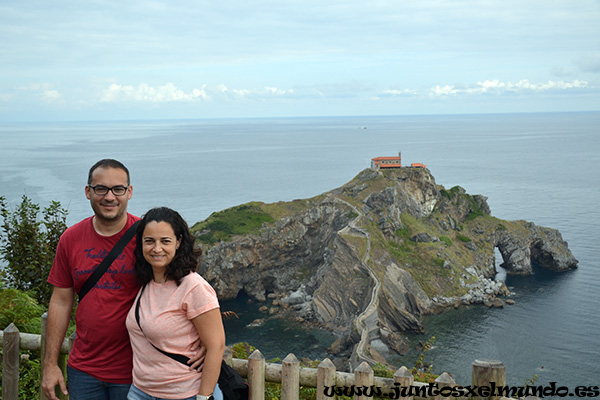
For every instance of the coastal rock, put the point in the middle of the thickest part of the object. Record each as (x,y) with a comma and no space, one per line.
(370,259)
(401,301)
(541,246)
(297,297)
(494,302)
(423,237)
(256,323)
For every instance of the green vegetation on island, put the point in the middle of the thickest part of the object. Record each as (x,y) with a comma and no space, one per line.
(223,225)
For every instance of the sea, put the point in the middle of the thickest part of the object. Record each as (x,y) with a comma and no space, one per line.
(539,167)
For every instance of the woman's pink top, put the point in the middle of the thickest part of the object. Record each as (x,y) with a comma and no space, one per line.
(166,311)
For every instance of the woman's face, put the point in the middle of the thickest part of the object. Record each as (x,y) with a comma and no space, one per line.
(159,244)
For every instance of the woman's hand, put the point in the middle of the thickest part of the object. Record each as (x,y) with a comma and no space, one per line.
(198,358)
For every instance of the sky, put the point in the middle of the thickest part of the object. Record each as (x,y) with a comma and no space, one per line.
(115,60)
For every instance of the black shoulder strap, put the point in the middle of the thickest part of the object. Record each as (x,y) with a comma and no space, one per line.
(177,357)
(110,257)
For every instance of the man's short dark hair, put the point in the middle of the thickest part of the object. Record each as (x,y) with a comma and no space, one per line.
(108,163)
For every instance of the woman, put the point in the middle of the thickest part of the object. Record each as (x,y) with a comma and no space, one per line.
(176,308)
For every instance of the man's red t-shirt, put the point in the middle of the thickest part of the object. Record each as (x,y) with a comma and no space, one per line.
(102,347)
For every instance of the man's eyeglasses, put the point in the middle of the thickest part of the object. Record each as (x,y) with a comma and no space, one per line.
(100,190)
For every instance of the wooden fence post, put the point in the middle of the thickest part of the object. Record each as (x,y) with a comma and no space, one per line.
(290,378)
(443,381)
(487,371)
(256,375)
(325,378)
(228,356)
(10,364)
(363,378)
(404,378)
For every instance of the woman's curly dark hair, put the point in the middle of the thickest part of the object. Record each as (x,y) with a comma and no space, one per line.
(187,256)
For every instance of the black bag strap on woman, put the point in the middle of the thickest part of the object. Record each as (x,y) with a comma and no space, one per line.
(110,257)
(233,386)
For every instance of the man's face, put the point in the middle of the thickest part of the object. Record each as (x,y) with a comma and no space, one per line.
(109,207)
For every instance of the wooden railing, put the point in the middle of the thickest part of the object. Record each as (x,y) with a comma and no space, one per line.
(257,371)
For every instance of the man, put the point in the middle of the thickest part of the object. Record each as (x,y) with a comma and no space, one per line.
(99,365)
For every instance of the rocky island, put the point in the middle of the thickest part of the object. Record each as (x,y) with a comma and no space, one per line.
(369,259)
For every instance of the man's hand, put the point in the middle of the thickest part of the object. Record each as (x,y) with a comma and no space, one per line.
(197,359)
(53,376)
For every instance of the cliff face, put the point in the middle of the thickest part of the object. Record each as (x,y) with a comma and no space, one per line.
(370,258)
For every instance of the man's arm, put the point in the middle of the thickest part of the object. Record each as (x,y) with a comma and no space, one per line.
(59,314)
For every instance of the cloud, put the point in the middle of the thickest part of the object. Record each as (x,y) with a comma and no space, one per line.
(497,87)
(399,92)
(44,91)
(232,93)
(273,91)
(550,85)
(266,92)
(200,93)
(149,94)
(50,96)
(145,93)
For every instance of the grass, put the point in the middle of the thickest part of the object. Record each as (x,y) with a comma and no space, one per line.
(359,244)
(241,220)
(284,209)
(447,241)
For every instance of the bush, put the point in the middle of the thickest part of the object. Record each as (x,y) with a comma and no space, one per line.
(29,245)
(20,309)
(381,370)
(29,375)
(464,238)
(242,350)
(423,372)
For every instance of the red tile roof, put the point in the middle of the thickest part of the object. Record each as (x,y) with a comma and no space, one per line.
(386,158)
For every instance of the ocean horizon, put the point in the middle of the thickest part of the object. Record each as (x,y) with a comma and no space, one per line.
(539,167)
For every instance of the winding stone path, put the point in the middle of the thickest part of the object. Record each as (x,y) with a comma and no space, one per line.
(361,322)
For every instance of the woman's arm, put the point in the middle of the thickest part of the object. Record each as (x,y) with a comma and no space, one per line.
(210,328)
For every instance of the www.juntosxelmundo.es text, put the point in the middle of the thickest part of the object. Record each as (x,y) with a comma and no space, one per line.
(398,391)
